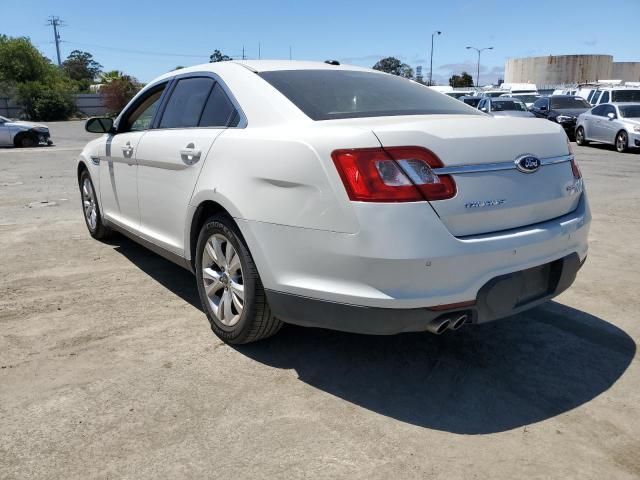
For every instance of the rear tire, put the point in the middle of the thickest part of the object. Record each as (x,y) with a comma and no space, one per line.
(580,138)
(622,141)
(91,209)
(229,286)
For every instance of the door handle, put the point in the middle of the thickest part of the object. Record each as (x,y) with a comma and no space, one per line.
(190,154)
(127,150)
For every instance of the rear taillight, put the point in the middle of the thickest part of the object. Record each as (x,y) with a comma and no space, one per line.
(575,169)
(397,174)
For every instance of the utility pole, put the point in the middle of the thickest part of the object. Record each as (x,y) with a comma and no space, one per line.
(56,23)
(479,50)
(289,52)
(437,32)
(243,57)
(259,51)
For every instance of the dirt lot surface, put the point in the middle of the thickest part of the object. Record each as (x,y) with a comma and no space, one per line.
(110,370)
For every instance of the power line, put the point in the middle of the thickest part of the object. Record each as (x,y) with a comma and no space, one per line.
(138,52)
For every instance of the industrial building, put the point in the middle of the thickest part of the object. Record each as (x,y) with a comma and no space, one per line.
(555,70)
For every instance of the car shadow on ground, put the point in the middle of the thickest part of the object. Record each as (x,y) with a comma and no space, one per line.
(481,379)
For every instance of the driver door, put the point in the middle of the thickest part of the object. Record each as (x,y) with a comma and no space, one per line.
(5,135)
(119,167)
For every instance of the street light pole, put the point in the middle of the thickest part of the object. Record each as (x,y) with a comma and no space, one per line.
(437,32)
(479,50)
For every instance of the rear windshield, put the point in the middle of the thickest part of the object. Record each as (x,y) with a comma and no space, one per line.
(569,102)
(327,94)
(625,95)
(507,105)
(630,111)
(528,98)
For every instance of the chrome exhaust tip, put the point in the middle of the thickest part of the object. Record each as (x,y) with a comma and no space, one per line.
(439,325)
(458,322)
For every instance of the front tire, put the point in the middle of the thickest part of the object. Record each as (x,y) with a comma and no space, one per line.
(91,209)
(229,286)
(622,142)
(25,141)
(580,137)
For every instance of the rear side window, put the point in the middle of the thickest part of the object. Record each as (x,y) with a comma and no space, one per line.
(186,103)
(334,94)
(218,111)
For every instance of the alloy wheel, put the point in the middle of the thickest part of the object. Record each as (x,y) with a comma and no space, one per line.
(89,204)
(621,142)
(223,279)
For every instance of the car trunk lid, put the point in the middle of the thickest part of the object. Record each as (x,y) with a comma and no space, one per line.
(480,153)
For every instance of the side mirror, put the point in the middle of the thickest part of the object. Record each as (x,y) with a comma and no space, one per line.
(483,109)
(611,115)
(99,125)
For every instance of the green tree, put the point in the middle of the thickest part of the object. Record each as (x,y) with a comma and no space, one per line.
(20,61)
(42,90)
(81,66)
(462,80)
(117,92)
(108,77)
(217,56)
(394,66)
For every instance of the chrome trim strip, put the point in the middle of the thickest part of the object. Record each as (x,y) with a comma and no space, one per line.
(494,167)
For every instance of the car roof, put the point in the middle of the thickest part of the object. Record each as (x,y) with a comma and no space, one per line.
(620,104)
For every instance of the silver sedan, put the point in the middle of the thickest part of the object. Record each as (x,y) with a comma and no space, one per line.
(504,107)
(617,124)
(23,134)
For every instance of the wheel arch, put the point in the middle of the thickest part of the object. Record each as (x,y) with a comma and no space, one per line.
(20,135)
(205,209)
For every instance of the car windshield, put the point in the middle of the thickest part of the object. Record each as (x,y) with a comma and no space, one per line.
(630,111)
(327,94)
(508,105)
(568,102)
(625,95)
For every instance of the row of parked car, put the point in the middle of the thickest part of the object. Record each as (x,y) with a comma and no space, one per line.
(609,114)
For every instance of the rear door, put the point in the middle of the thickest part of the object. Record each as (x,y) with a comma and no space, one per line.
(170,156)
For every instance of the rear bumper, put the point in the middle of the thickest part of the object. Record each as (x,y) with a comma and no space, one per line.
(500,297)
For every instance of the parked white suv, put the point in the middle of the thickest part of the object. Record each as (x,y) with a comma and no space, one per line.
(339,197)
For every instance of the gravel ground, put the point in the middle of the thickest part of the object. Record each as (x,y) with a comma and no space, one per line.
(109,368)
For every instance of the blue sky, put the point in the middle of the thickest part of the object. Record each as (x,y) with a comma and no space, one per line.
(146,38)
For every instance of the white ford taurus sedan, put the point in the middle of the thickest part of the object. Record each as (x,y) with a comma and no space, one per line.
(338,197)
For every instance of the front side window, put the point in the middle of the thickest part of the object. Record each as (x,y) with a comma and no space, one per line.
(186,103)
(335,94)
(598,111)
(141,116)
(605,98)
(630,111)
(595,97)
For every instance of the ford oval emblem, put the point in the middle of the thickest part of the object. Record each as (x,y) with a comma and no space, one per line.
(527,163)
